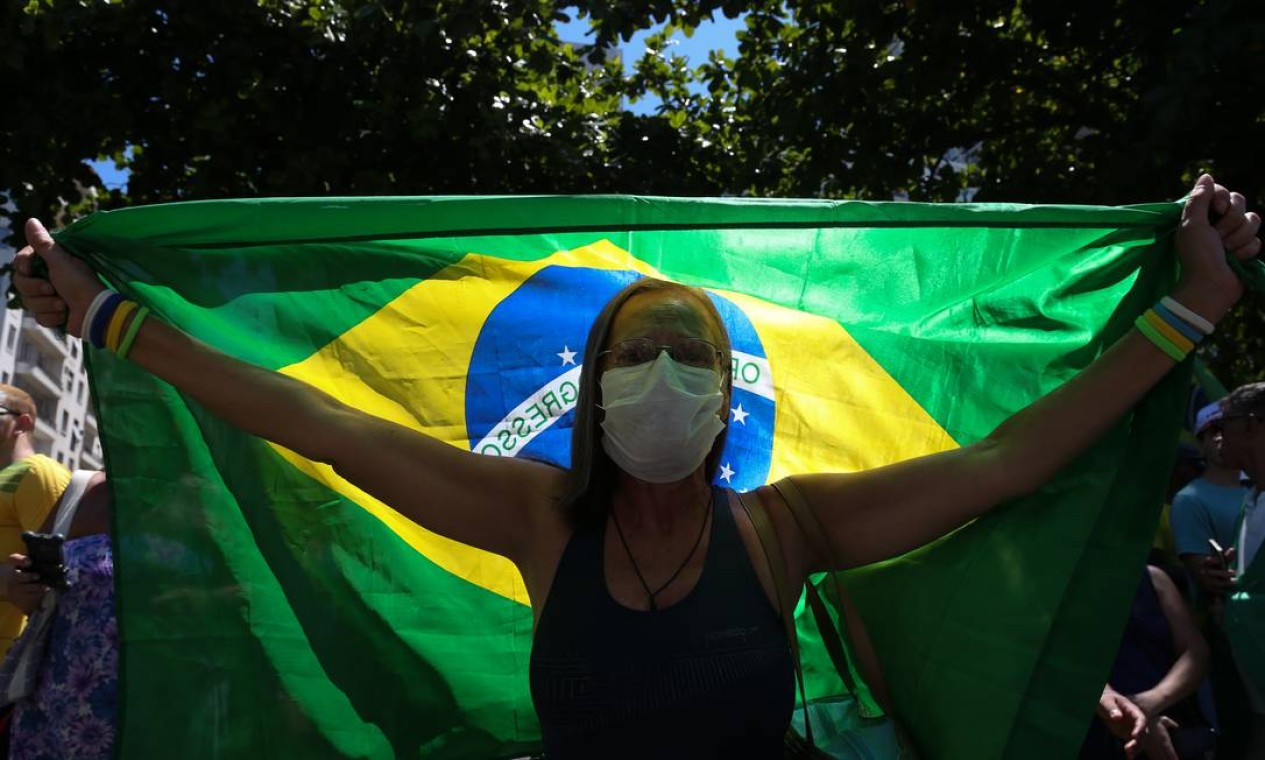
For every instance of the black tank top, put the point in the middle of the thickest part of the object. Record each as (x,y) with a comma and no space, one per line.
(710,676)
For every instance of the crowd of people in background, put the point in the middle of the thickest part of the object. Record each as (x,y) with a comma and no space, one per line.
(1187,680)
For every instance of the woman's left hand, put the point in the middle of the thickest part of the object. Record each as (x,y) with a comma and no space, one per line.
(1208,285)
(26,592)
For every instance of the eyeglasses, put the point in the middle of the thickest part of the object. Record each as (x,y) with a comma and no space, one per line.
(693,352)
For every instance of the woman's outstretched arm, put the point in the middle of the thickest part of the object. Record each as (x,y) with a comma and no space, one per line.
(486,502)
(878,514)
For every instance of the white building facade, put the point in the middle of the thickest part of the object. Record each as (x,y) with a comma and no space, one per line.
(50,366)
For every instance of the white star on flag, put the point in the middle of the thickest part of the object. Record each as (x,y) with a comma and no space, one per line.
(567,356)
(740,415)
(725,473)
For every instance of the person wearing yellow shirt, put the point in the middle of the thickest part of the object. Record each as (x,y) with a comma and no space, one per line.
(30,485)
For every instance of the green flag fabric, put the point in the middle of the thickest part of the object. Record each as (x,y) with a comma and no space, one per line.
(270,609)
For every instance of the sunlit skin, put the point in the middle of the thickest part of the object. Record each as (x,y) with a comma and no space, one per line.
(15,438)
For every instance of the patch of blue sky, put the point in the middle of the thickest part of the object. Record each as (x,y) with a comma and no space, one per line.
(111,176)
(718,34)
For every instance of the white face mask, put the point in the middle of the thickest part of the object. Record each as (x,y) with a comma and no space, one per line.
(660,418)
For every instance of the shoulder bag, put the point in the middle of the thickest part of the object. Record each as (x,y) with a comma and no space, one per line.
(20,670)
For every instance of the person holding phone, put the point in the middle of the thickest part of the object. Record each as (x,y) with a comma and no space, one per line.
(1206,510)
(1204,515)
(30,485)
(73,710)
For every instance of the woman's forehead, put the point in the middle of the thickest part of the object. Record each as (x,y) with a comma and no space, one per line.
(661,312)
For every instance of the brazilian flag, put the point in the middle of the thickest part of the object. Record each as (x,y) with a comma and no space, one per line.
(269,608)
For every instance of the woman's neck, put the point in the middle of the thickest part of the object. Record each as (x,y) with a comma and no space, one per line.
(659,507)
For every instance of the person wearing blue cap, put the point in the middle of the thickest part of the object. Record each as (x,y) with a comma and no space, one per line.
(1207,509)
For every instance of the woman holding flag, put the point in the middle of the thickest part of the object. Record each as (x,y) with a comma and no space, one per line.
(656,610)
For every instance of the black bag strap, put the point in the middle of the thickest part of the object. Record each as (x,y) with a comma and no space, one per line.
(753,506)
(835,647)
(838,639)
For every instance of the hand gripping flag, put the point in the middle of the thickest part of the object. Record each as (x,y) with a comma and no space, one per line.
(268,608)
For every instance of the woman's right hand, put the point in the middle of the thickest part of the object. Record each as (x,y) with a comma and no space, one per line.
(63,298)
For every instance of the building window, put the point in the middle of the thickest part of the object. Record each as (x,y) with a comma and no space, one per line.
(13,338)
(74,349)
(59,459)
(65,420)
(74,442)
(79,395)
(5,376)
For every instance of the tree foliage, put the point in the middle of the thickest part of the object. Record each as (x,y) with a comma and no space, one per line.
(302,97)
(1107,102)
(1113,101)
